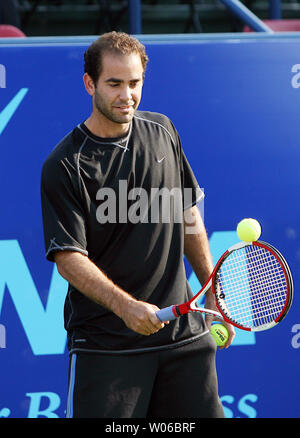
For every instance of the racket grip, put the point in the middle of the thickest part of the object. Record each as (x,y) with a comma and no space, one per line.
(166,314)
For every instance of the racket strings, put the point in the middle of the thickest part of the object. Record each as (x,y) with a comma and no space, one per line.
(251,287)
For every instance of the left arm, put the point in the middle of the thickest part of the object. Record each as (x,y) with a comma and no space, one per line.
(197,252)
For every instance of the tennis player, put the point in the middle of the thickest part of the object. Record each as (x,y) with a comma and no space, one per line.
(112,196)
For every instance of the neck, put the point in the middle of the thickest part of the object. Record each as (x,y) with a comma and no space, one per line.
(105,128)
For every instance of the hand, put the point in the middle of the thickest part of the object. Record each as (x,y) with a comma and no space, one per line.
(141,317)
(210,303)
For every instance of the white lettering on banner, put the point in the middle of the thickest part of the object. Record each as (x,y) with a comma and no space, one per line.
(5,412)
(41,404)
(241,404)
(2,76)
(296,338)
(47,403)
(2,336)
(35,410)
(7,113)
(296,79)
(43,326)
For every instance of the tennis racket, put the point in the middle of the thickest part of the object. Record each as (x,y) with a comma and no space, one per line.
(253,287)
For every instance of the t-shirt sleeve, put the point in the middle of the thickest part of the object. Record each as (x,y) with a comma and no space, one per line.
(192,193)
(62,211)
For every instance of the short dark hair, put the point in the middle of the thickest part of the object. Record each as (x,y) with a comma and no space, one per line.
(115,42)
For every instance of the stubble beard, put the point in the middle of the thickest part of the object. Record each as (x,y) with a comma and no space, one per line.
(106,111)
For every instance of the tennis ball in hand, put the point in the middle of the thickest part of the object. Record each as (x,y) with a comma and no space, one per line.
(249,230)
(220,334)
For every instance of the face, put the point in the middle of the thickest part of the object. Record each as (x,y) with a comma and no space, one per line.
(118,90)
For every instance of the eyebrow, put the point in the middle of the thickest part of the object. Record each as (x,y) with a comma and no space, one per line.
(119,81)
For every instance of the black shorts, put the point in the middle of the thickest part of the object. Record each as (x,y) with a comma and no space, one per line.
(174,383)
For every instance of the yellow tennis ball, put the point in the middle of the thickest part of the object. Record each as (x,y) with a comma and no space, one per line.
(220,334)
(249,230)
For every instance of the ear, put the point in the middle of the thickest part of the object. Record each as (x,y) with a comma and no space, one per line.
(89,84)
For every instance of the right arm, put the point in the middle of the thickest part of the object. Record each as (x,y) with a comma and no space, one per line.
(86,277)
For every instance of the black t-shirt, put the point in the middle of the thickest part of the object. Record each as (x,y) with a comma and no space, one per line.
(112,200)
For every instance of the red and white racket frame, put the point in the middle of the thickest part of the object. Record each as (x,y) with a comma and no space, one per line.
(175,311)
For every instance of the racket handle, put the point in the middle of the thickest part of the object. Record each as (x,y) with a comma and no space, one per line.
(166,314)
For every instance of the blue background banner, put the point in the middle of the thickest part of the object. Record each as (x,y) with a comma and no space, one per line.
(235,102)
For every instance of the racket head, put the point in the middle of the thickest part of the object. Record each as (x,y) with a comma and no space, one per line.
(253,286)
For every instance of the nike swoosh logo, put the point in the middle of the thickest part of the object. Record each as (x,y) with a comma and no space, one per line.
(162,159)
(10,109)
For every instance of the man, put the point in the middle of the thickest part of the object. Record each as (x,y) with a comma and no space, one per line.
(123,259)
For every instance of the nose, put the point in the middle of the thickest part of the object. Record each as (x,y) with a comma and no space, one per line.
(125,93)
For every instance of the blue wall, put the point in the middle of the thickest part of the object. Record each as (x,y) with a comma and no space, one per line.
(235,101)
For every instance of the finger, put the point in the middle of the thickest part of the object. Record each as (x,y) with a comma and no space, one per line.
(231,336)
(149,328)
(156,322)
(230,340)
